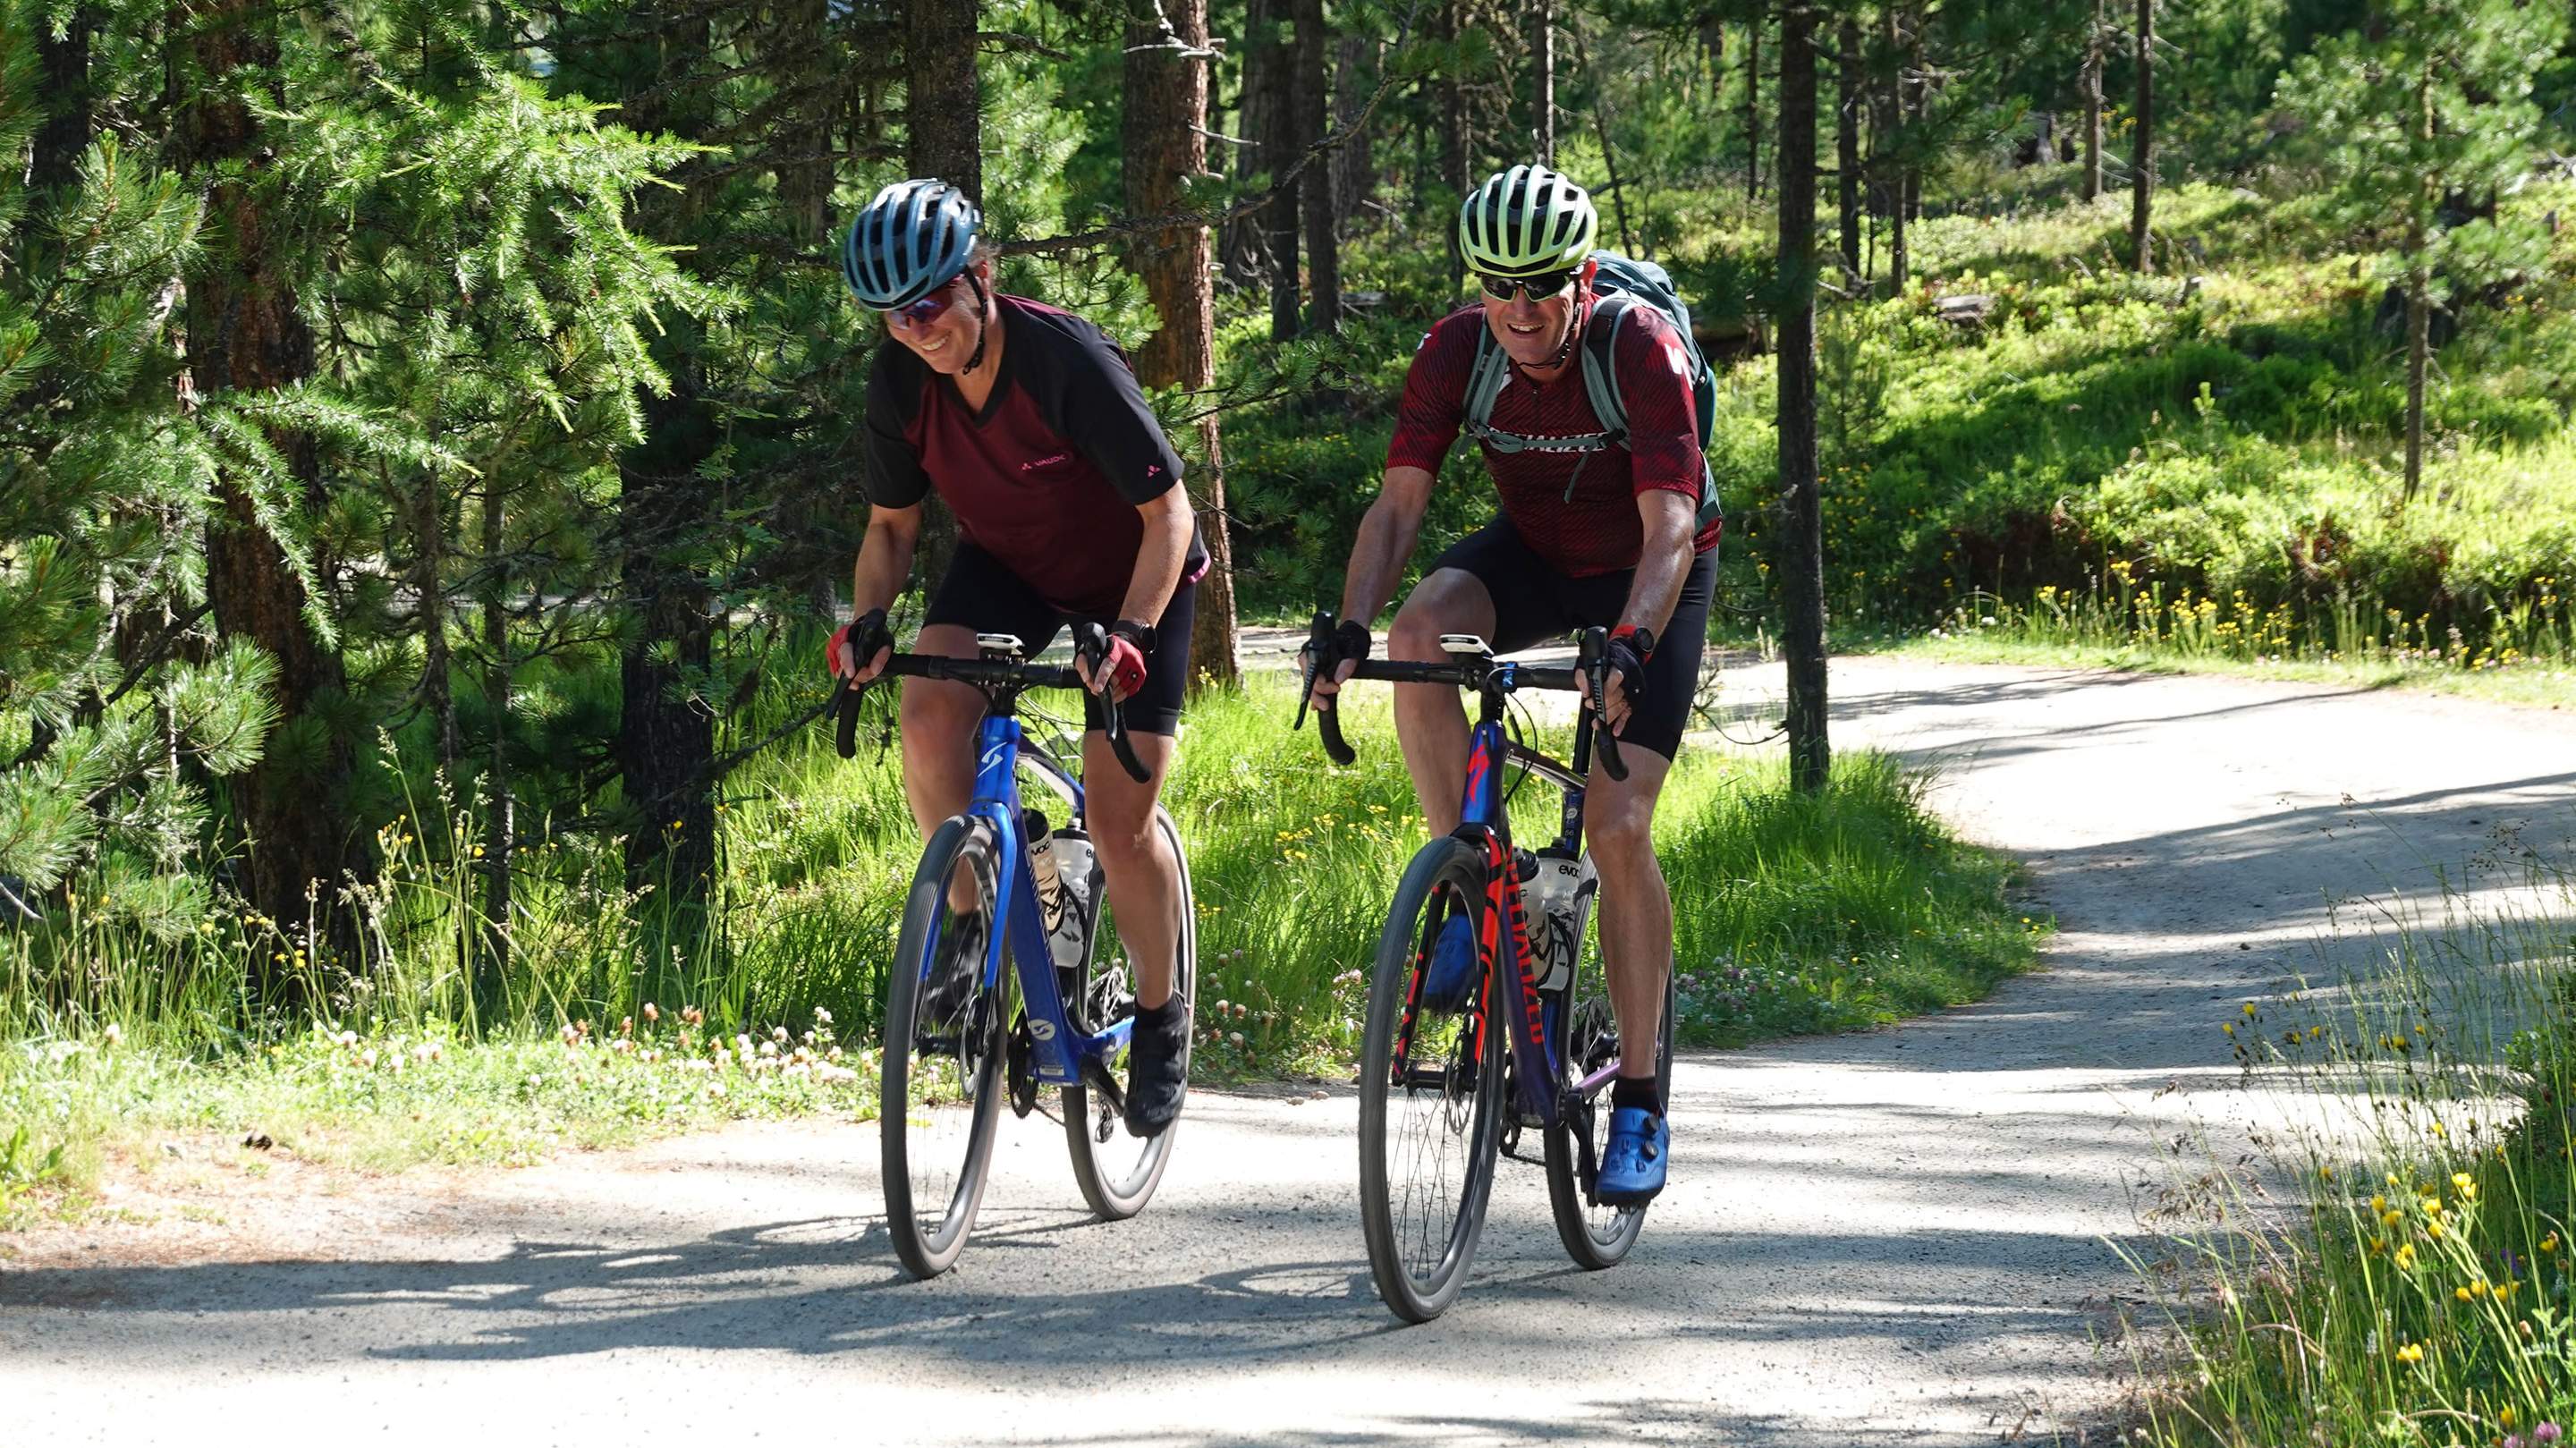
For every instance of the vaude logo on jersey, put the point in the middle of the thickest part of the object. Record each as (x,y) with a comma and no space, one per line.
(1046,462)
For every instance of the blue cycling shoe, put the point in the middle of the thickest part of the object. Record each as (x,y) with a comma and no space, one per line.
(1449,986)
(1632,1163)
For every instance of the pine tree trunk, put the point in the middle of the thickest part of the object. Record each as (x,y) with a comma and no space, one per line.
(1543,62)
(2419,294)
(2093,106)
(1752,112)
(64,66)
(1601,132)
(1166,106)
(1802,561)
(804,185)
(246,332)
(1919,112)
(666,741)
(500,820)
(1354,163)
(2142,186)
(1450,101)
(943,137)
(1279,151)
(944,105)
(1847,109)
(666,734)
(1245,245)
(1323,227)
(437,682)
(1892,167)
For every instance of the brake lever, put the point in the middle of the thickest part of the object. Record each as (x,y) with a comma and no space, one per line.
(845,729)
(1091,642)
(1592,655)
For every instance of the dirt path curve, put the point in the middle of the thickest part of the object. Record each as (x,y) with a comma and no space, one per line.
(1889,1238)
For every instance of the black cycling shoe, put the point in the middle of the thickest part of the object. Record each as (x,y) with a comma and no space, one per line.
(1158,1067)
(953,974)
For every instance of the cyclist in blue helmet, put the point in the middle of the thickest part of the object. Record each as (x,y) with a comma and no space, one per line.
(1028,423)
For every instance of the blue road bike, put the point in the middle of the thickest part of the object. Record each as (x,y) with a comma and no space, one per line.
(990,1000)
(1444,1095)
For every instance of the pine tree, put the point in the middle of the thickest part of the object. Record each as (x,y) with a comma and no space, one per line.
(2427,117)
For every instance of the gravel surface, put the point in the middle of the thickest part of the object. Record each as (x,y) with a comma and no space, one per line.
(1906,1236)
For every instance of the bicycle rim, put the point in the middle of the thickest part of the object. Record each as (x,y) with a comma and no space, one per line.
(1118,1172)
(941,1093)
(1427,1144)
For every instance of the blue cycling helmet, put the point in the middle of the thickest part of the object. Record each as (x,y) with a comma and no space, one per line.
(913,239)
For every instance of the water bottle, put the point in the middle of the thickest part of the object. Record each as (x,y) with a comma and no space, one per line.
(1560,904)
(1042,871)
(1077,874)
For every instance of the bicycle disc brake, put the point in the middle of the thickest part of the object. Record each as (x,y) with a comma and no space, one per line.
(1021,1059)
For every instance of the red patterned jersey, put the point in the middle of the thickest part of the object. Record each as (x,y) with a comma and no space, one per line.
(1576,510)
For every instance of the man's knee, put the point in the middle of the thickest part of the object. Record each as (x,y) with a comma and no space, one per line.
(1449,601)
(936,709)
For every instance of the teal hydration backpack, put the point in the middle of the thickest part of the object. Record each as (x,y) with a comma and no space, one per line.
(1620,284)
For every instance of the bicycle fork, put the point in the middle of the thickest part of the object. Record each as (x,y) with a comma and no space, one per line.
(1507,1004)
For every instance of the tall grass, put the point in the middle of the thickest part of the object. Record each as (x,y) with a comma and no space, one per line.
(2395,1267)
(1792,913)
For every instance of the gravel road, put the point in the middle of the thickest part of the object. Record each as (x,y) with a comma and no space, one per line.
(1905,1236)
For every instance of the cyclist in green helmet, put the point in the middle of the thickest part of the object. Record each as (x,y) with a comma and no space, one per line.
(1598,528)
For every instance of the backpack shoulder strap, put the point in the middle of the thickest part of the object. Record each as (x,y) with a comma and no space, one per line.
(1485,380)
(1600,374)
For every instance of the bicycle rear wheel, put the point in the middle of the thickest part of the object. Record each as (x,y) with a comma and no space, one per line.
(1428,1141)
(941,1095)
(1596,1235)
(1118,1172)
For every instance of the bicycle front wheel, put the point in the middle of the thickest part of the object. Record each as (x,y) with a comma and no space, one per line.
(941,1094)
(1429,1128)
(1118,1172)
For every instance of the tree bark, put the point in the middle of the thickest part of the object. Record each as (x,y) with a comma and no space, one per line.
(2419,290)
(944,98)
(1450,102)
(1847,109)
(1802,562)
(1919,113)
(804,188)
(1323,226)
(1354,162)
(1245,246)
(246,331)
(666,740)
(1543,97)
(64,66)
(437,683)
(1166,106)
(2142,186)
(1752,111)
(2093,106)
(500,821)
(1601,130)
(1279,150)
(1892,169)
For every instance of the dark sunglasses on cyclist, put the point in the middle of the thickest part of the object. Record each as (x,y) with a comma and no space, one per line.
(924,312)
(1539,288)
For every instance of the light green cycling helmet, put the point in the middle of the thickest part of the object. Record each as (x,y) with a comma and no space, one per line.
(1527,221)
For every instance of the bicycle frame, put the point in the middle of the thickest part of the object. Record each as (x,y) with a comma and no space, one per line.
(1060,1052)
(1485,824)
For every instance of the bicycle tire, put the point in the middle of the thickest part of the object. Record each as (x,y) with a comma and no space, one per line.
(1595,1234)
(1400,1215)
(928,1114)
(1118,1179)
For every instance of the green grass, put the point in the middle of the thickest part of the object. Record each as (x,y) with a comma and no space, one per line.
(1794,914)
(385,1101)
(2397,1270)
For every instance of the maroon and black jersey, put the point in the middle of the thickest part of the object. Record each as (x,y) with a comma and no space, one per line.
(1048,477)
(1596,530)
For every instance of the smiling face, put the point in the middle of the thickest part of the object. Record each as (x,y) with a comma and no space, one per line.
(946,342)
(1532,329)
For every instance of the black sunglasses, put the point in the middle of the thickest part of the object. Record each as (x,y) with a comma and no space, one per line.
(1539,288)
